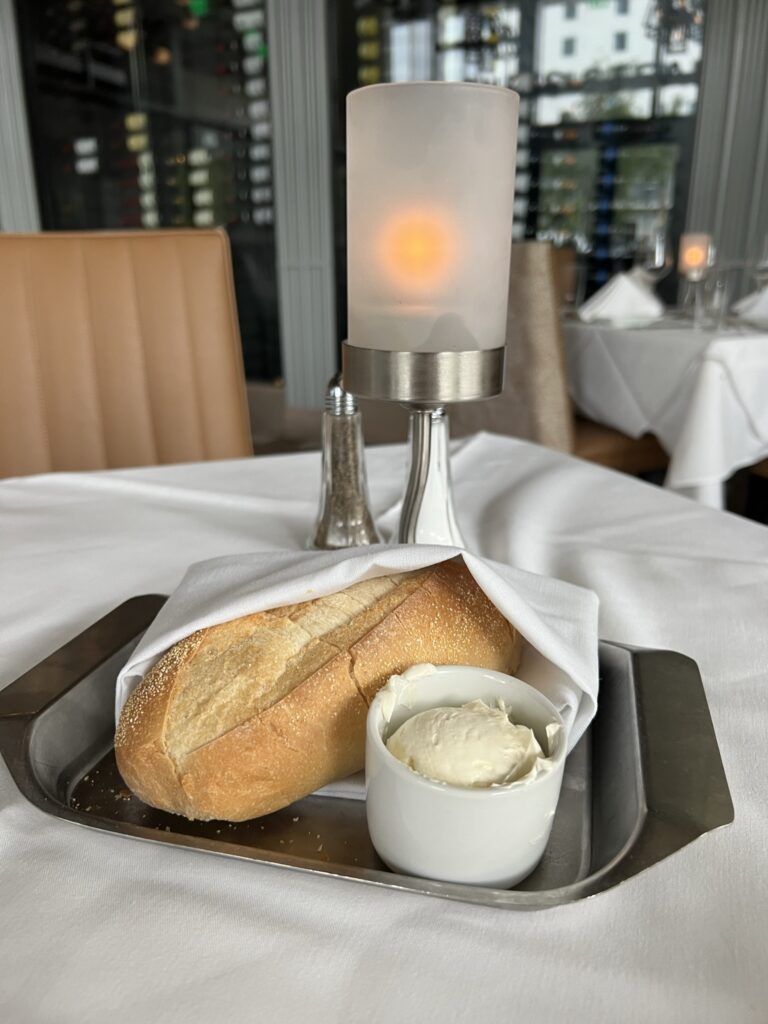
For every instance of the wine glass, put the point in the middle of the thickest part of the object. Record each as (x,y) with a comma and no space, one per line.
(653,257)
(760,268)
(571,272)
(717,297)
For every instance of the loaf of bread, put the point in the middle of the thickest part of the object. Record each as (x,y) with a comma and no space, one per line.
(243,718)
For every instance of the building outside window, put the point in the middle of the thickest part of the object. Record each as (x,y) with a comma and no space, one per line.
(570,10)
(569,46)
(620,41)
(622,6)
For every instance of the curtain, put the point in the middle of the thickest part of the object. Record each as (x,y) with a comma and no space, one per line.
(729,184)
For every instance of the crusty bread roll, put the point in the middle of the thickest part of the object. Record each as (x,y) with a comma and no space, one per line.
(243,718)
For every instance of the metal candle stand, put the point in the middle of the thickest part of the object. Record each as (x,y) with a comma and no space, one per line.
(425,382)
(429,224)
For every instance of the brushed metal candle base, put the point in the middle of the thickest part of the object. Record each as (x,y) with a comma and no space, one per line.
(423,378)
(425,382)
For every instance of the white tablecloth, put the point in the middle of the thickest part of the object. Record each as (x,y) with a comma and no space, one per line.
(704,396)
(95,928)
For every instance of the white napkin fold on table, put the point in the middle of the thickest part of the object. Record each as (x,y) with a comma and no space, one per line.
(558,620)
(753,306)
(624,297)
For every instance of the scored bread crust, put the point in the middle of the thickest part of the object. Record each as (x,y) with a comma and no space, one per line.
(241,719)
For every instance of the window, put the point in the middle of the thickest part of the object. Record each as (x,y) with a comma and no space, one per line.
(601,100)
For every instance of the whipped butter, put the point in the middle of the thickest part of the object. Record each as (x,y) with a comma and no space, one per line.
(474,746)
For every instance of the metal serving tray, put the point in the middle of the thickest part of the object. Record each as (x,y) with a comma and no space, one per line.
(645,780)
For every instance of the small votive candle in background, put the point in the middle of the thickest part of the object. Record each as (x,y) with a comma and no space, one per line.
(696,254)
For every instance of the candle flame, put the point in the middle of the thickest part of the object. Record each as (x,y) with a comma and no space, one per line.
(417,249)
(695,256)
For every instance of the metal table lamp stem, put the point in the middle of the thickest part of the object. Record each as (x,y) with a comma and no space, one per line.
(425,382)
(428,516)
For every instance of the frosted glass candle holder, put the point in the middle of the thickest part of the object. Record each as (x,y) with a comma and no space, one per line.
(430,193)
(696,256)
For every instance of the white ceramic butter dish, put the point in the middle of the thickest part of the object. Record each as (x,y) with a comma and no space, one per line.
(491,836)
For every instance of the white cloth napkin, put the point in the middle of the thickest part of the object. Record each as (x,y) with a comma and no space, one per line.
(558,620)
(753,306)
(625,297)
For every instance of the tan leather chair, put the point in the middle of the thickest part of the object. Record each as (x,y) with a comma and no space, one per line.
(535,403)
(118,349)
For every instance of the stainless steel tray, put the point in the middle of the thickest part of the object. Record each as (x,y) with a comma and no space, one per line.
(645,780)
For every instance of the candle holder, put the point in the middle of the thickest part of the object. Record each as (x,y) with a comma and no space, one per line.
(430,194)
(696,259)
(425,382)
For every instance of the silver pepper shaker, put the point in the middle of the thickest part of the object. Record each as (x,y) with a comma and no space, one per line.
(344,519)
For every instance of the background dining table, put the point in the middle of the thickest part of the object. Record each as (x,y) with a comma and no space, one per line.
(94,927)
(701,392)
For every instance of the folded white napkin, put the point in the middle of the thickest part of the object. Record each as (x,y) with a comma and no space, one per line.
(558,620)
(625,297)
(753,306)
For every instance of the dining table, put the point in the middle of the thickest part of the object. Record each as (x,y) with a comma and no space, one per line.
(700,391)
(97,927)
